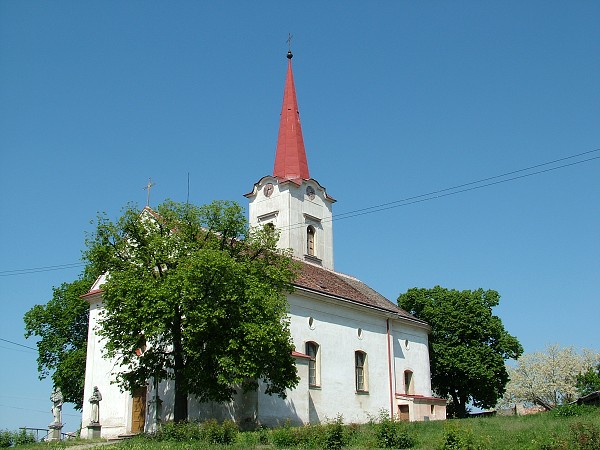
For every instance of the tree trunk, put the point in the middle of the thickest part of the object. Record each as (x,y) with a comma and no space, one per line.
(460,405)
(180,407)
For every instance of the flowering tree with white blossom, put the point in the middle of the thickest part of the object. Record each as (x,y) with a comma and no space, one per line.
(548,378)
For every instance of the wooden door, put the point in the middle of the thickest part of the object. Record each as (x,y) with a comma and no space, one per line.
(403,412)
(138,410)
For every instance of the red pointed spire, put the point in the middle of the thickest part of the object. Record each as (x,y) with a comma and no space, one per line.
(290,157)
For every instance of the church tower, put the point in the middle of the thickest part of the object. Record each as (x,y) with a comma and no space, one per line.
(297,205)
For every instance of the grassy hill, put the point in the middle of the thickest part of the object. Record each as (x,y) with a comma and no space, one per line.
(562,429)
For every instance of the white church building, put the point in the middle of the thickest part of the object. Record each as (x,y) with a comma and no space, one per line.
(356,352)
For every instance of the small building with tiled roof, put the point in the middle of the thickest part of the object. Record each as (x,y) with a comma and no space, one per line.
(356,352)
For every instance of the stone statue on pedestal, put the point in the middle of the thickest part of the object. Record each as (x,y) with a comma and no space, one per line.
(56,426)
(57,401)
(95,401)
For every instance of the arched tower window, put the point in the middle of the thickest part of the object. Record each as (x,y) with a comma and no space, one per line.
(310,240)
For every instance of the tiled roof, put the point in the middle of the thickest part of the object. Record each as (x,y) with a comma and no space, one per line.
(421,397)
(345,287)
(296,354)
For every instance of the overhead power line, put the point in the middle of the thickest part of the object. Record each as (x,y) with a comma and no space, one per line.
(434,195)
(36,410)
(20,345)
(473,185)
(24,409)
(464,187)
(6,273)
(12,349)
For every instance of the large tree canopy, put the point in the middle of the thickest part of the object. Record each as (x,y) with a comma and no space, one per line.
(202,296)
(62,325)
(467,345)
(550,377)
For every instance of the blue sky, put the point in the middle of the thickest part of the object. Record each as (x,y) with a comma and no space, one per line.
(397,99)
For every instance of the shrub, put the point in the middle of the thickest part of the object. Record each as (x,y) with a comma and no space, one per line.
(211,432)
(263,436)
(285,436)
(334,434)
(181,432)
(227,433)
(570,410)
(392,433)
(5,439)
(251,439)
(22,437)
(460,438)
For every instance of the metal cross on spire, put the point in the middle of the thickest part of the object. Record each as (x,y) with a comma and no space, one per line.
(147,188)
(289,41)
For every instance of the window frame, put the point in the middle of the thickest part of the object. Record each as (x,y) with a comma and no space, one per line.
(311,240)
(313,351)
(361,372)
(409,387)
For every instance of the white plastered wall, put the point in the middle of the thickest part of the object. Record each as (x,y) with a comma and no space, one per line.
(411,352)
(291,210)
(115,407)
(335,327)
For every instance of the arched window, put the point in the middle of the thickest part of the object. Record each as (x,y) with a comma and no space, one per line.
(409,387)
(310,240)
(312,350)
(360,371)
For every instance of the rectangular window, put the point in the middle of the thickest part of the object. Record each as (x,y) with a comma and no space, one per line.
(310,240)
(360,360)
(312,350)
(408,382)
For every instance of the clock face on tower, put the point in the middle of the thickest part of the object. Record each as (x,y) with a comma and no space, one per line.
(268,189)
(310,192)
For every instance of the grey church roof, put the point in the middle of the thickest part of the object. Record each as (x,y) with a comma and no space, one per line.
(345,287)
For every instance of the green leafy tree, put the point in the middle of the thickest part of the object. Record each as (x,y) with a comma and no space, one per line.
(467,345)
(589,381)
(201,295)
(62,326)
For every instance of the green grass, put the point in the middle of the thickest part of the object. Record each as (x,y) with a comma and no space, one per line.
(576,429)
(66,444)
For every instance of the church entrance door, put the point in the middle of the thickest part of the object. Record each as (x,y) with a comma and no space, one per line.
(138,410)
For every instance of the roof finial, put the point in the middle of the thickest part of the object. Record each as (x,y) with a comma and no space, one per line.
(147,188)
(289,41)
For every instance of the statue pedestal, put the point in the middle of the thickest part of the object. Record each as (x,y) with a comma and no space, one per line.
(55,432)
(94,429)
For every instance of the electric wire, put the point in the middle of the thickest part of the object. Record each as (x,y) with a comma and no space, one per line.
(461,188)
(16,349)
(36,410)
(490,178)
(16,343)
(6,273)
(434,195)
